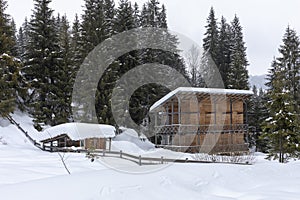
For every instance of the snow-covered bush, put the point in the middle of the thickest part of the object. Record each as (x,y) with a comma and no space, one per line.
(241,159)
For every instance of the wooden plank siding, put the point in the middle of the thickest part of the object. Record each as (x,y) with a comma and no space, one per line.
(196,122)
(63,141)
(95,143)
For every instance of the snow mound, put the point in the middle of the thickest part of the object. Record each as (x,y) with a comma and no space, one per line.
(129,141)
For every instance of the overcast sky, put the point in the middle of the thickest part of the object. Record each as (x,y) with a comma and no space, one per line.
(263,21)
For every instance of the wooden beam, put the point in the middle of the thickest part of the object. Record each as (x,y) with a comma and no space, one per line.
(172,112)
(215,112)
(246,111)
(230,113)
(179,120)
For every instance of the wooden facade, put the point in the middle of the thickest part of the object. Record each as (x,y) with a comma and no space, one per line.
(202,120)
(64,141)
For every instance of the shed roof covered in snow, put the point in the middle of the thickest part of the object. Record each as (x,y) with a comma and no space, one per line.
(203,91)
(79,131)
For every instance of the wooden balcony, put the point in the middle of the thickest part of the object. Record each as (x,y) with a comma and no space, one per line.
(220,139)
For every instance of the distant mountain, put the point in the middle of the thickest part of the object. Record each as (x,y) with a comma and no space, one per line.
(258,81)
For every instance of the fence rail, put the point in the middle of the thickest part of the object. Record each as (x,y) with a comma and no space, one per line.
(139,159)
(34,142)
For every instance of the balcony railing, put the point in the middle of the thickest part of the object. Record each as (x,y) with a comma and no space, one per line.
(201,129)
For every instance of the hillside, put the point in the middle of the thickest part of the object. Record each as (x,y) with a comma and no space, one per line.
(40,175)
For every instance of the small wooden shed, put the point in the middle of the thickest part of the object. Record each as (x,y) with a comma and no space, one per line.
(202,120)
(79,135)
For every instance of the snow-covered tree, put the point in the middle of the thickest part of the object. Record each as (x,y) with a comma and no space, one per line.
(210,41)
(42,62)
(238,73)
(7,34)
(257,113)
(282,126)
(224,50)
(10,76)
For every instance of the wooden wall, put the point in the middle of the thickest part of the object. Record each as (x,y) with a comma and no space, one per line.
(217,112)
(95,143)
(212,142)
(190,109)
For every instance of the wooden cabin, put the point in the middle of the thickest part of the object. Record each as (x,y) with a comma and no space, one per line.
(79,135)
(202,120)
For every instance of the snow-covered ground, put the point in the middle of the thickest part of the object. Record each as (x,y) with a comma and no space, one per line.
(29,173)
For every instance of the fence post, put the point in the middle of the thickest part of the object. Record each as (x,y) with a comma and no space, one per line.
(121,154)
(162,160)
(140,160)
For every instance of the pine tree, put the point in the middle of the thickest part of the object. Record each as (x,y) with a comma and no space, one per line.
(224,50)
(9,73)
(124,17)
(290,60)
(42,64)
(14,51)
(97,25)
(154,15)
(124,21)
(64,82)
(257,113)
(282,127)
(22,39)
(109,13)
(76,45)
(7,34)
(9,65)
(210,42)
(136,15)
(238,73)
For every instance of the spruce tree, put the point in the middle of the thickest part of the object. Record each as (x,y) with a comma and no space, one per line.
(9,65)
(154,15)
(282,127)
(7,34)
(257,113)
(76,45)
(238,73)
(97,25)
(9,73)
(224,50)
(210,41)
(136,15)
(125,19)
(290,60)
(42,64)
(64,82)
(22,39)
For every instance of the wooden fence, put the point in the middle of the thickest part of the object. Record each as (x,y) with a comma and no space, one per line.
(140,160)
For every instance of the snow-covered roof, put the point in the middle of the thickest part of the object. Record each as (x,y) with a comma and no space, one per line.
(209,91)
(79,131)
